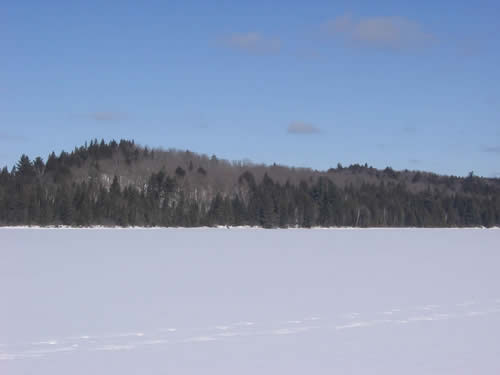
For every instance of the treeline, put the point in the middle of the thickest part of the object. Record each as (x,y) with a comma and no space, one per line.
(42,193)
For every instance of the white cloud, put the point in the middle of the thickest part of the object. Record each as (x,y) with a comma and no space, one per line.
(253,42)
(302,128)
(382,32)
(492,149)
(11,137)
(107,116)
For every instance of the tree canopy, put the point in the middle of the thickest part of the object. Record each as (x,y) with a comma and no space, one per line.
(74,189)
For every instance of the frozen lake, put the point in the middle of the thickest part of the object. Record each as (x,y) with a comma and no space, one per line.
(249,301)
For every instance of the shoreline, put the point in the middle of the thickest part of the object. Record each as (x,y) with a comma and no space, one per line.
(97,227)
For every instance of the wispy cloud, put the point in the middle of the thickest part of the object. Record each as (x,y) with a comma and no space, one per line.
(415,161)
(11,137)
(302,128)
(380,32)
(470,47)
(491,149)
(107,116)
(410,129)
(308,54)
(253,42)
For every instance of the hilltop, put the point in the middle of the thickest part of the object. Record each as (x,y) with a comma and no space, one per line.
(123,183)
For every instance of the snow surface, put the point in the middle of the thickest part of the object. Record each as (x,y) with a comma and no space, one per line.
(249,301)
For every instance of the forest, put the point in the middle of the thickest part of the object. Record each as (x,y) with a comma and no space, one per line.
(124,184)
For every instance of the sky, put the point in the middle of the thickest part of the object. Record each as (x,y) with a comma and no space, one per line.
(411,85)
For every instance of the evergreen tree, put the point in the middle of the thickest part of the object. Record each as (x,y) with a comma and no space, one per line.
(71,189)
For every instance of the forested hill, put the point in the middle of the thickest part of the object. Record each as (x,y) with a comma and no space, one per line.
(121,183)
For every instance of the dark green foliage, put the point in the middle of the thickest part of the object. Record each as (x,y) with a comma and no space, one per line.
(38,193)
(180,172)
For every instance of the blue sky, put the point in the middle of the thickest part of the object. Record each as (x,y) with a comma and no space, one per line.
(389,83)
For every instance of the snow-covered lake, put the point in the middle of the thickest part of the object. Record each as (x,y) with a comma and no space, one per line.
(249,301)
